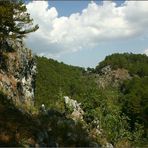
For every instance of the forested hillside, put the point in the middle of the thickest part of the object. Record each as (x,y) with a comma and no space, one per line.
(134,92)
(134,63)
(121,110)
(55,80)
(45,103)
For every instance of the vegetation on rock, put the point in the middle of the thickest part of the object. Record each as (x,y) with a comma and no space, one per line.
(136,64)
(113,96)
(121,110)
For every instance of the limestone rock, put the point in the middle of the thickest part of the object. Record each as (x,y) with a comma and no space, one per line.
(111,77)
(77,112)
(17,76)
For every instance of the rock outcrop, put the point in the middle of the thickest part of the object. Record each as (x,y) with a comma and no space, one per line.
(93,129)
(111,77)
(17,73)
(76,111)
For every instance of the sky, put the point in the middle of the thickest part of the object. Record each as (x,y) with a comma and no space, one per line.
(83,33)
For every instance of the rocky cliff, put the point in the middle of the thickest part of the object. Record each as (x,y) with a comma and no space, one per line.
(110,77)
(17,73)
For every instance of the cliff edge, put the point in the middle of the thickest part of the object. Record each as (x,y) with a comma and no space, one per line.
(17,73)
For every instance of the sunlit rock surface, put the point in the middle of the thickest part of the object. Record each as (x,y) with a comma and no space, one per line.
(74,106)
(17,73)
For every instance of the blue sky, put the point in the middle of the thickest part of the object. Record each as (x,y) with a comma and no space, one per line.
(82,33)
(65,8)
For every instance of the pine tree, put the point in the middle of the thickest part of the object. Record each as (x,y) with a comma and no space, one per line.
(15,22)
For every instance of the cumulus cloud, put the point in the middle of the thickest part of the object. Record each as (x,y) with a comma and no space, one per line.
(146,52)
(95,24)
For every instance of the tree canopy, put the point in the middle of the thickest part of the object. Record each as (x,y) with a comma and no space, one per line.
(136,64)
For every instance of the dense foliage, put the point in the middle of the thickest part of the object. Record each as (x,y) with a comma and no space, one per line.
(135,101)
(134,63)
(122,111)
(55,80)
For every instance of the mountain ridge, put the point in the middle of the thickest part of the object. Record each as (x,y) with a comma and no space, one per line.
(102,92)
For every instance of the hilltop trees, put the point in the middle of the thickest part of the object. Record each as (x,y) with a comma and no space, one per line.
(136,64)
(15,21)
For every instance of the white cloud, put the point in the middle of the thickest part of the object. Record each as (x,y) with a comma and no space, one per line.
(95,24)
(146,52)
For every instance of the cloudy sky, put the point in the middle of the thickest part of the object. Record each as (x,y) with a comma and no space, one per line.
(82,33)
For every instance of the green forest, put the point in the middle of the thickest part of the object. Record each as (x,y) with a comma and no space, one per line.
(136,64)
(112,97)
(122,109)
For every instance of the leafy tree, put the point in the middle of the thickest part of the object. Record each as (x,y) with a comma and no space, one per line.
(134,101)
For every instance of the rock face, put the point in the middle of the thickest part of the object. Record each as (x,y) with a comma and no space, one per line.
(74,106)
(17,73)
(112,77)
